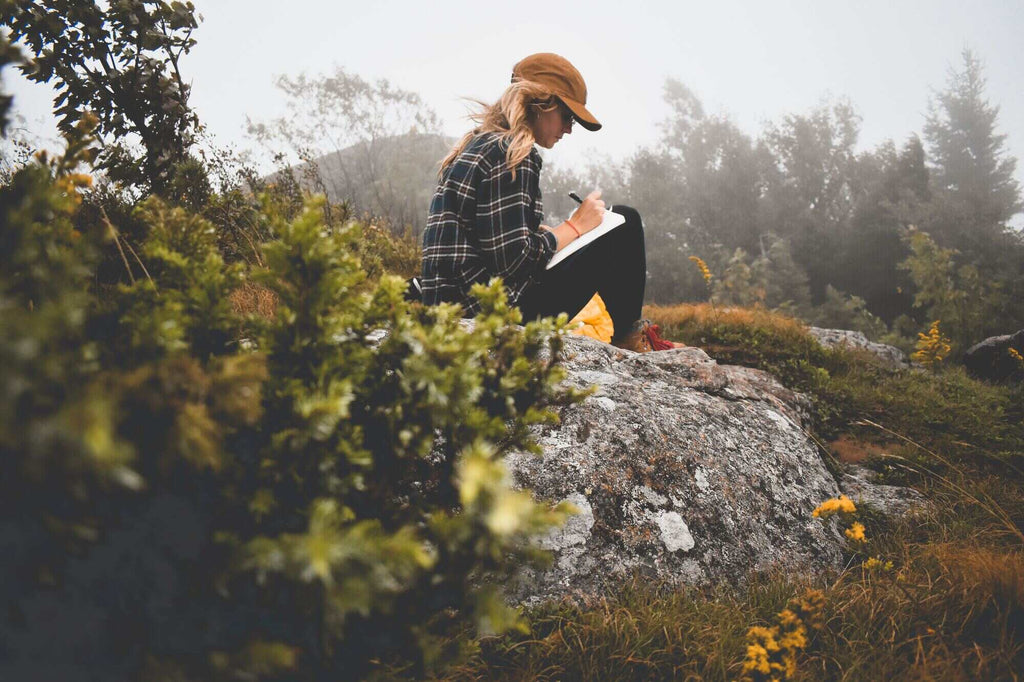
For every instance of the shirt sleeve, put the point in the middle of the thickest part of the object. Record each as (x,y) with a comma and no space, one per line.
(511,246)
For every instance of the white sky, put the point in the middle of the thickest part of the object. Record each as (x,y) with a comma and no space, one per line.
(754,61)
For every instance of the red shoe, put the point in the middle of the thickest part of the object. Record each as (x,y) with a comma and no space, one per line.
(643,337)
(658,343)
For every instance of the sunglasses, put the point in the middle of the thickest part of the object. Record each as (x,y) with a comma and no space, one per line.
(567,116)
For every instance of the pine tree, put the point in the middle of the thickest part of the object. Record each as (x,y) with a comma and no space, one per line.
(971,170)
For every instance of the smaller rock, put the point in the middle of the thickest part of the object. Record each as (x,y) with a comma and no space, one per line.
(858,483)
(991,359)
(831,338)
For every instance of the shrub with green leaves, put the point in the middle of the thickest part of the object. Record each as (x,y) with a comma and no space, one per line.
(318,499)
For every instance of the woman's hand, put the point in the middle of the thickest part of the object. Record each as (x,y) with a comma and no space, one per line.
(590,213)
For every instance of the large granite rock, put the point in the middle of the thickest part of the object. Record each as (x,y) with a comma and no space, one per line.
(890,355)
(683,470)
(991,358)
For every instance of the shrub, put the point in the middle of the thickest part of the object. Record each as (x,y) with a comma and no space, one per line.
(841,311)
(315,503)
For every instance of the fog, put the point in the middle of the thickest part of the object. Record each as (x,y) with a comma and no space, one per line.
(752,61)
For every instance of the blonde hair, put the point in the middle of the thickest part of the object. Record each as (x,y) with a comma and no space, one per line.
(512,116)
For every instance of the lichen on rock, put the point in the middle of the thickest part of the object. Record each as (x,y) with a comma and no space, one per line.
(684,471)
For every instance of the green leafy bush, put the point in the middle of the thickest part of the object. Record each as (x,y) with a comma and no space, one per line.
(318,499)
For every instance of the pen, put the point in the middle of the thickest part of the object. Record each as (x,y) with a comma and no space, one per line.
(576,197)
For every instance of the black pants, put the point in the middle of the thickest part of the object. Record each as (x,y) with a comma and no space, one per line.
(614,266)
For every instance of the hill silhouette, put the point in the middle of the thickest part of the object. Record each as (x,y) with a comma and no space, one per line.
(390,178)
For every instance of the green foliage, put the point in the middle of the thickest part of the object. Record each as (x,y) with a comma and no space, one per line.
(324,497)
(956,295)
(841,311)
(118,60)
(814,213)
(971,165)
(785,282)
(736,285)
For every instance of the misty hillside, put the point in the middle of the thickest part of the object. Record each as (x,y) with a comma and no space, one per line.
(392,177)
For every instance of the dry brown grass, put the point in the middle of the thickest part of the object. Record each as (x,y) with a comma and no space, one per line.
(704,315)
(253,299)
(848,448)
(986,577)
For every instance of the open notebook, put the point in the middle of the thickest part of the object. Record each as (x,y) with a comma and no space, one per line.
(610,222)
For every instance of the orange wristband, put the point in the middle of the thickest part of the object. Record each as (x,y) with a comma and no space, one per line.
(578,233)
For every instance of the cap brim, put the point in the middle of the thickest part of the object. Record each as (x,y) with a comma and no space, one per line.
(581,114)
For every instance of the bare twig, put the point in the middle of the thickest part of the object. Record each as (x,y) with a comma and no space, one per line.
(139,261)
(120,248)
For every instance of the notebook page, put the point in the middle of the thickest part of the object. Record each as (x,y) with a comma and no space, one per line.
(610,222)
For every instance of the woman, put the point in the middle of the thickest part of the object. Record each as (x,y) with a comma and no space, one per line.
(485,216)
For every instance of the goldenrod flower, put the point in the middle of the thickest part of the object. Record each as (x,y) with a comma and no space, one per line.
(704,271)
(757,660)
(837,505)
(856,532)
(932,348)
(772,651)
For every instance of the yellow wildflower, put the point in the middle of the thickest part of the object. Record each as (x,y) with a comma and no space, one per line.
(837,505)
(856,532)
(772,651)
(811,609)
(932,348)
(1015,354)
(757,660)
(795,639)
(704,271)
(874,564)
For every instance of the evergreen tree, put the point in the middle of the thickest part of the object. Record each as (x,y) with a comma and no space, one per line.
(895,195)
(737,285)
(784,282)
(971,171)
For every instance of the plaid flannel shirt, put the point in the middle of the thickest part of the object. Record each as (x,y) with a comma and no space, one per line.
(484,224)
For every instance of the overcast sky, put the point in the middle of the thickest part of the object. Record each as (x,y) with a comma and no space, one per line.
(754,61)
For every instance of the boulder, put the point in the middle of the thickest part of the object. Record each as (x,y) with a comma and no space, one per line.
(890,355)
(684,471)
(991,358)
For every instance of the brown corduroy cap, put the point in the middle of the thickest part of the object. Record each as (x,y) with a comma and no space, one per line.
(562,79)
